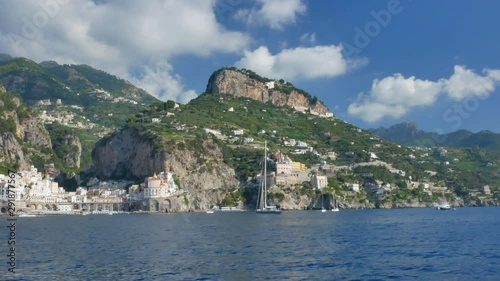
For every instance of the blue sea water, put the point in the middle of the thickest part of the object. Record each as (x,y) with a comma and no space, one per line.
(397,244)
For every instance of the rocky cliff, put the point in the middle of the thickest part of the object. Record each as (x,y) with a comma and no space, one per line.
(205,178)
(12,152)
(72,159)
(35,133)
(25,140)
(238,83)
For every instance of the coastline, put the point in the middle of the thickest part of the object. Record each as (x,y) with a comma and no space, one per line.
(62,213)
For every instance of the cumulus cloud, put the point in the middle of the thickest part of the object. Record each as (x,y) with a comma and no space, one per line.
(120,37)
(464,83)
(395,96)
(301,62)
(273,13)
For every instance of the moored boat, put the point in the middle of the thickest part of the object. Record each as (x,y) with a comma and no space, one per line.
(262,207)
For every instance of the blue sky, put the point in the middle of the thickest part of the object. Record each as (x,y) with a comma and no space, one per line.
(433,62)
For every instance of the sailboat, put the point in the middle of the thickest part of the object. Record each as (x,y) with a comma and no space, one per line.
(262,207)
(335,207)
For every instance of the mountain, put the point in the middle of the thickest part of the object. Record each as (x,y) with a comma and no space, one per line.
(76,105)
(408,134)
(25,141)
(92,91)
(214,145)
(246,83)
(403,133)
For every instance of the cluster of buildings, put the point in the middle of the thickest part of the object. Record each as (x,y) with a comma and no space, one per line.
(104,95)
(36,194)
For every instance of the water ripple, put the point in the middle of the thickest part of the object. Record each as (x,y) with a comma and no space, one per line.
(405,244)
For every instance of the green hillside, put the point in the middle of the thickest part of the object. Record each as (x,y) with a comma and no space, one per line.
(92,104)
(186,125)
(79,85)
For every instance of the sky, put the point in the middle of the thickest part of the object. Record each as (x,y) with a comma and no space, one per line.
(373,63)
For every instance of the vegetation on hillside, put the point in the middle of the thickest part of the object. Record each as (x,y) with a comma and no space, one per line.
(351,145)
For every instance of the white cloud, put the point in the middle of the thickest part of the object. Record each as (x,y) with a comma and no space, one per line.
(308,38)
(309,63)
(493,74)
(410,91)
(159,78)
(119,37)
(465,83)
(274,13)
(372,112)
(395,96)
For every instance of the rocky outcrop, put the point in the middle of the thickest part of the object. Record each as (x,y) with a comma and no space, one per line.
(72,159)
(237,83)
(204,178)
(35,133)
(127,155)
(12,152)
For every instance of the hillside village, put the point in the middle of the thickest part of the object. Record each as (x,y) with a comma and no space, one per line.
(39,194)
(330,162)
(313,155)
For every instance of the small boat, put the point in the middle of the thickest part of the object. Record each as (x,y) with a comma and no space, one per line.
(262,207)
(443,206)
(210,211)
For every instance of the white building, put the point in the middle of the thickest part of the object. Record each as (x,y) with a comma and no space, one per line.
(283,165)
(332,155)
(353,186)
(270,85)
(80,196)
(486,190)
(3,190)
(238,132)
(319,181)
(162,185)
(213,132)
(155,120)
(65,207)
(301,144)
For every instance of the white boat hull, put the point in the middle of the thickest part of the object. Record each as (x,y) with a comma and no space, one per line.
(275,211)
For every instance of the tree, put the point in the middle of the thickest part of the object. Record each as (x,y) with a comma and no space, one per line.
(170,104)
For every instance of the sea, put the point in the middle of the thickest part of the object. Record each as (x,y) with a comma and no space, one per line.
(380,244)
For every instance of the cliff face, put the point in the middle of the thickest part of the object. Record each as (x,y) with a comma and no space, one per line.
(12,152)
(35,133)
(239,84)
(206,179)
(127,155)
(72,159)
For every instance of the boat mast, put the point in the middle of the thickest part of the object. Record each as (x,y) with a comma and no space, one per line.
(264,174)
